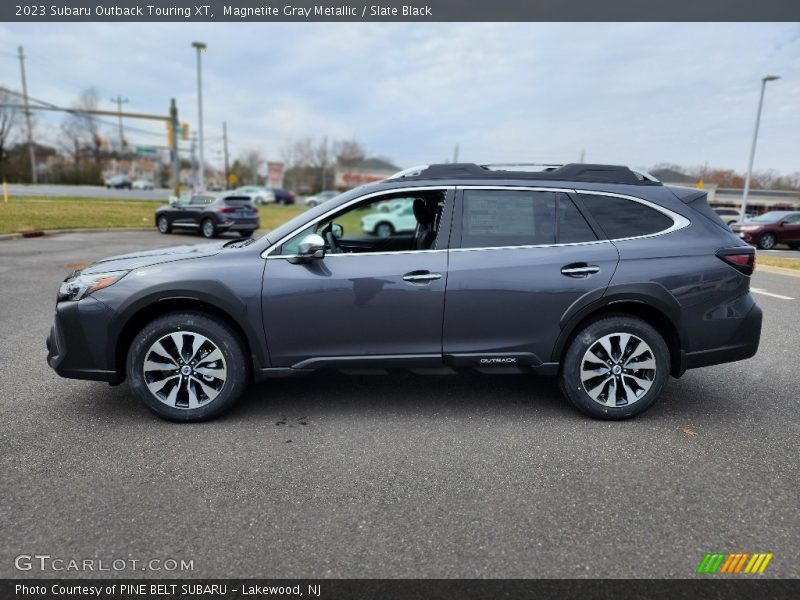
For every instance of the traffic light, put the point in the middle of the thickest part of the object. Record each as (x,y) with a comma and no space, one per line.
(184,131)
(170,134)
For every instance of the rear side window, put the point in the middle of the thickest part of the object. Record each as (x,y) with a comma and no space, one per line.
(494,218)
(621,218)
(572,227)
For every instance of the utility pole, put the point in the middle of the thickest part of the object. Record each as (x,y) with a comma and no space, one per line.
(31,151)
(119,101)
(200,46)
(583,155)
(225,150)
(176,162)
(455,154)
(194,160)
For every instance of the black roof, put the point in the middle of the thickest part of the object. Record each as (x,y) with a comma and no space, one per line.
(571,172)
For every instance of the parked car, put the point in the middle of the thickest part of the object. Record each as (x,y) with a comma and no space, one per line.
(259,195)
(318,199)
(283,196)
(209,214)
(142,184)
(385,224)
(771,228)
(595,274)
(728,215)
(392,205)
(118,182)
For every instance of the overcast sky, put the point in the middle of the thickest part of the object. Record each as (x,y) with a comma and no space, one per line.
(635,94)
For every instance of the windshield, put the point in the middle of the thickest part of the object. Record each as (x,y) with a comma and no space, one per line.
(770,217)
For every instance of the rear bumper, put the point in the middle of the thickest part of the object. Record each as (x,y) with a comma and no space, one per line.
(77,341)
(741,345)
(239,225)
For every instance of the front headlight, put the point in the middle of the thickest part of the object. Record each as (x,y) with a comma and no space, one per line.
(79,286)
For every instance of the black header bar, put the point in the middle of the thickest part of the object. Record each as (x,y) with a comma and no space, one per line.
(398,10)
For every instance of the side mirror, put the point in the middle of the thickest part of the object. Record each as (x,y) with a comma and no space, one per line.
(173,200)
(782,224)
(311,247)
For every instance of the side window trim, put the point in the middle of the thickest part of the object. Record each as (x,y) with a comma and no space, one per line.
(273,251)
(678,221)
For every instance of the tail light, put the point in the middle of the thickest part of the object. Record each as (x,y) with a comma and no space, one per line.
(226,209)
(743,259)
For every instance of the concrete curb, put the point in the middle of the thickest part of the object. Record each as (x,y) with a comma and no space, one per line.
(16,235)
(778,270)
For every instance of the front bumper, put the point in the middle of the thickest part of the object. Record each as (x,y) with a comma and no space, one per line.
(742,344)
(76,344)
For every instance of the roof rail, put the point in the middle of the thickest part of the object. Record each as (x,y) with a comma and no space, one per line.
(594,173)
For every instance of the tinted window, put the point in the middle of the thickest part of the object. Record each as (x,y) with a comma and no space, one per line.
(507,218)
(572,227)
(621,218)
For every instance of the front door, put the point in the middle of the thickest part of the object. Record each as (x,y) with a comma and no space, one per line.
(377,297)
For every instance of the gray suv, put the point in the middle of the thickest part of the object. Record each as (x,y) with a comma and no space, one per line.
(596,274)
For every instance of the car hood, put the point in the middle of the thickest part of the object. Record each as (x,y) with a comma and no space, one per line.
(145,258)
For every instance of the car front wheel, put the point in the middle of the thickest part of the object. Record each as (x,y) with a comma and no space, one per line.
(767,241)
(615,368)
(163,225)
(187,367)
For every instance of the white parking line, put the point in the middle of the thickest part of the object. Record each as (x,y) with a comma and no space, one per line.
(766,293)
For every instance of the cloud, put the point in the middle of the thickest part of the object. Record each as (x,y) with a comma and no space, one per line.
(636,93)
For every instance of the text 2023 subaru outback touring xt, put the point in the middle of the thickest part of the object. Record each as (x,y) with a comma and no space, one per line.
(593,273)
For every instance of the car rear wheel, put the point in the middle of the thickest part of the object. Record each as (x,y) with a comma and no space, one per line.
(384,230)
(615,368)
(312,203)
(767,241)
(208,229)
(163,225)
(187,367)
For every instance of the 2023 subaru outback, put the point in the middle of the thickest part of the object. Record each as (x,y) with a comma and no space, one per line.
(597,274)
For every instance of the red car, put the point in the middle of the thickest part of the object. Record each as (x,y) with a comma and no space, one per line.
(769,229)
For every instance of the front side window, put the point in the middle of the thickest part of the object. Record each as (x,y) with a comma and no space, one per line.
(496,218)
(621,218)
(402,221)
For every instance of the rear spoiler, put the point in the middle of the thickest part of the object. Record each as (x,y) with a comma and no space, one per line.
(698,200)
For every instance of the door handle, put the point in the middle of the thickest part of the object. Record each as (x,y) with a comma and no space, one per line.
(579,270)
(421,276)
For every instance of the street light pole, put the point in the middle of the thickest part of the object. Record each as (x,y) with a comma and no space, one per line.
(200,46)
(31,151)
(764,81)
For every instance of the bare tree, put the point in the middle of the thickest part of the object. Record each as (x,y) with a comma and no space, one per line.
(81,129)
(349,152)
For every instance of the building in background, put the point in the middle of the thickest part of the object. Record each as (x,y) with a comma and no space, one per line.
(365,171)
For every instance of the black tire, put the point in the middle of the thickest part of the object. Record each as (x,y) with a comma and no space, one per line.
(217,332)
(208,229)
(248,233)
(570,374)
(312,204)
(163,224)
(767,241)
(384,227)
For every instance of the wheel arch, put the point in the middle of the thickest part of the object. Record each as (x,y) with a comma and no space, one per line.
(147,313)
(647,309)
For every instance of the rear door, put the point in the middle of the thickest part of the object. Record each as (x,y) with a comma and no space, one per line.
(519,258)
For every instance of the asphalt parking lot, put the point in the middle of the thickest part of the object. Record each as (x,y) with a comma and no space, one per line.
(397,476)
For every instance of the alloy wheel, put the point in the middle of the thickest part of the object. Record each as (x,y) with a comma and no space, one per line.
(184,370)
(618,369)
